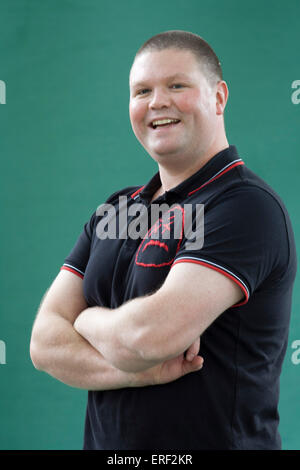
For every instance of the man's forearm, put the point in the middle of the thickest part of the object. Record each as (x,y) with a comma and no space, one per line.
(101,328)
(59,350)
(128,336)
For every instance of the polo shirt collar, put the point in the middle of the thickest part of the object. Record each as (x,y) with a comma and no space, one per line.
(214,168)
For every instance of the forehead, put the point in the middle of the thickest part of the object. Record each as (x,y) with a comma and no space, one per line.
(168,63)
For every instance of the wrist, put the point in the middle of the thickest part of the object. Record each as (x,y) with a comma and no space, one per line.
(143,378)
(93,324)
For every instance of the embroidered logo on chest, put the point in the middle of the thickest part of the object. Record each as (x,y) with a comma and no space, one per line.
(162,241)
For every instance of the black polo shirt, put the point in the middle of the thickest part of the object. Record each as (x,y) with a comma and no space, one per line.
(232,402)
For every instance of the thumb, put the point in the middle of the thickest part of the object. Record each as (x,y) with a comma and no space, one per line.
(193,350)
(192,366)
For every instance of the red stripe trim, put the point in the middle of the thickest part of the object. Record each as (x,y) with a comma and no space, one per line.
(216,177)
(72,271)
(220,271)
(137,192)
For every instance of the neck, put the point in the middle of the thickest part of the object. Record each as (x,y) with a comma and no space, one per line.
(172,176)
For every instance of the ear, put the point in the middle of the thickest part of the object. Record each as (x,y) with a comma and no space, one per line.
(221,97)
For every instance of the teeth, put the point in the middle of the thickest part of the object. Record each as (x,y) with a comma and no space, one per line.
(163,121)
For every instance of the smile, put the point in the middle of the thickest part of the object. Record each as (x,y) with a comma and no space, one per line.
(168,122)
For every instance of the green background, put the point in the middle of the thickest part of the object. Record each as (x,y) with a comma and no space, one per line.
(67,144)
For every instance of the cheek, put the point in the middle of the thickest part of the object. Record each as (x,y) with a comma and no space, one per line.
(199,107)
(136,113)
(188,103)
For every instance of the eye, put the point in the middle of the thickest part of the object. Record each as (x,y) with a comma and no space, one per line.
(177,85)
(143,91)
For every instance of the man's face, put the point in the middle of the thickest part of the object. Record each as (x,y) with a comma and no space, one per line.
(169,84)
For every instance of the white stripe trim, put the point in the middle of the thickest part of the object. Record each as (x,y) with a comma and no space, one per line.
(73,267)
(217,266)
(229,164)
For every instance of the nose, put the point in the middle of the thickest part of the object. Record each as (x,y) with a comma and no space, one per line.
(159,99)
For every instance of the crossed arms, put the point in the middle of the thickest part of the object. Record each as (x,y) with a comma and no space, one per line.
(140,343)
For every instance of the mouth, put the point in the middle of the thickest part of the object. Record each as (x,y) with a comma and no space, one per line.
(164,123)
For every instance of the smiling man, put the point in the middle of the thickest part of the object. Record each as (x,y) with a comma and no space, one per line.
(124,317)
(177,116)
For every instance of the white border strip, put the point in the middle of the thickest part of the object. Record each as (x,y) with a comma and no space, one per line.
(217,266)
(73,267)
(229,164)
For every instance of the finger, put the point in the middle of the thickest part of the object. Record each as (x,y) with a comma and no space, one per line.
(194,365)
(193,350)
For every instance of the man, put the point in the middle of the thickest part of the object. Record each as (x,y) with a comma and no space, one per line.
(124,316)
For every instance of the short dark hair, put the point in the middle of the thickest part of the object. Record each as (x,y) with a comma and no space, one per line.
(177,39)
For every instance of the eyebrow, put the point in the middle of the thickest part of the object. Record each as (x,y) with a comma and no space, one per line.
(171,77)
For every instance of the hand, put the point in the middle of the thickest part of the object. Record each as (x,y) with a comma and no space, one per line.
(172,369)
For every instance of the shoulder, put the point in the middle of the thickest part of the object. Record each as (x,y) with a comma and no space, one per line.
(253,187)
(112,200)
(248,199)
(129,191)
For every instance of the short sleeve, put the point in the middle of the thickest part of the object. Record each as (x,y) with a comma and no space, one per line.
(77,259)
(245,238)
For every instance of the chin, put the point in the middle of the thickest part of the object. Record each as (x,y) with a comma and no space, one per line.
(164,156)
(161,151)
